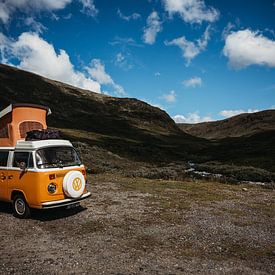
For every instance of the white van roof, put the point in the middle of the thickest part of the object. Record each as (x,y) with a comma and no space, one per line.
(32,145)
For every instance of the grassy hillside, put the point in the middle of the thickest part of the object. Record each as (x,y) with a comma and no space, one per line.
(125,126)
(257,150)
(125,133)
(237,126)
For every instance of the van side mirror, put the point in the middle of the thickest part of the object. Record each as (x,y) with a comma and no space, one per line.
(23,166)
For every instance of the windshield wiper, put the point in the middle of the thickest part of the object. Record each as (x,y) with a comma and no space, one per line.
(45,163)
(60,164)
(49,164)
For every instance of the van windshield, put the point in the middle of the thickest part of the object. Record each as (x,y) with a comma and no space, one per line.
(56,157)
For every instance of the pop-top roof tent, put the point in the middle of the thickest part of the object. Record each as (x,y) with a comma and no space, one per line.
(18,119)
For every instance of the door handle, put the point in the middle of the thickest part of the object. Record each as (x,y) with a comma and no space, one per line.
(3,177)
(10,177)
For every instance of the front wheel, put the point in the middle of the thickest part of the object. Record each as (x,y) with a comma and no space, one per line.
(20,207)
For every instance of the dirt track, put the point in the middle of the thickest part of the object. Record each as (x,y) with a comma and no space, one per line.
(146,227)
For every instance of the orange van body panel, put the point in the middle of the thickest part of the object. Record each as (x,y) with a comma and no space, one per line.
(3,184)
(34,185)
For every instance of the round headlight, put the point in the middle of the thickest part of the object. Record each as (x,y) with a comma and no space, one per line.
(51,188)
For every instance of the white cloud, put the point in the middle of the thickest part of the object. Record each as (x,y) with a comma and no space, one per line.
(152,103)
(227,30)
(244,48)
(133,16)
(36,26)
(122,61)
(230,113)
(193,82)
(170,97)
(88,8)
(4,12)
(37,55)
(191,11)
(7,8)
(203,41)
(120,57)
(124,42)
(97,71)
(191,118)
(154,26)
(157,74)
(4,50)
(155,105)
(67,16)
(190,49)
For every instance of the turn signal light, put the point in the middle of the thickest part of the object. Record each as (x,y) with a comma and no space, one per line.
(52,176)
(83,172)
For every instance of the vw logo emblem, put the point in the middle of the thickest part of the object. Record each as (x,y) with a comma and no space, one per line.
(77,184)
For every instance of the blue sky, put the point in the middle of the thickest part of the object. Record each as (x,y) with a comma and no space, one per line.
(198,60)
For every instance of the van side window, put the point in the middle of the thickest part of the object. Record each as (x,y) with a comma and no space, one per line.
(23,157)
(3,158)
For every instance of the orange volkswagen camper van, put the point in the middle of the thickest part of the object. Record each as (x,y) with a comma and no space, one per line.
(37,173)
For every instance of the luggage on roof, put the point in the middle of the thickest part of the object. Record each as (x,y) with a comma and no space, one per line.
(42,134)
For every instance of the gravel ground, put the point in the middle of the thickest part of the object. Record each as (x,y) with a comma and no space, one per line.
(138,226)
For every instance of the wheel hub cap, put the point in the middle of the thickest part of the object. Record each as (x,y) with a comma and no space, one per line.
(20,207)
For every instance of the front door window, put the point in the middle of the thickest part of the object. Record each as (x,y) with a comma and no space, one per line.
(23,157)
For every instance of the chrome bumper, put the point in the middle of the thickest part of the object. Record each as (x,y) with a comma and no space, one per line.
(65,202)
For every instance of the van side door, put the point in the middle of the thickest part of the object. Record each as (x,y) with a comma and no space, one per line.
(4,175)
(22,180)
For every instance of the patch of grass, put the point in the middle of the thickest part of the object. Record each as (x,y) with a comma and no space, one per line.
(109,202)
(187,190)
(171,199)
(227,250)
(169,204)
(244,251)
(244,223)
(92,226)
(267,209)
(145,242)
(238,172)
(236,212)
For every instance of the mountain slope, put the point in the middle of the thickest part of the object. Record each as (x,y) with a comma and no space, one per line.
(124,132)
(237,126)
(122,125)
(256,150)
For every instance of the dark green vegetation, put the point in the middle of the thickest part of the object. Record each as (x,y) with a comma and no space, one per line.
(257,150)
(236,173)
(127,134)
(237,126)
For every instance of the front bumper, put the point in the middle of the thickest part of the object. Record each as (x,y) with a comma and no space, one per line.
(65,202)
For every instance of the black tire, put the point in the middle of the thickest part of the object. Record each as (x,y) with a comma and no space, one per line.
(20,207)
